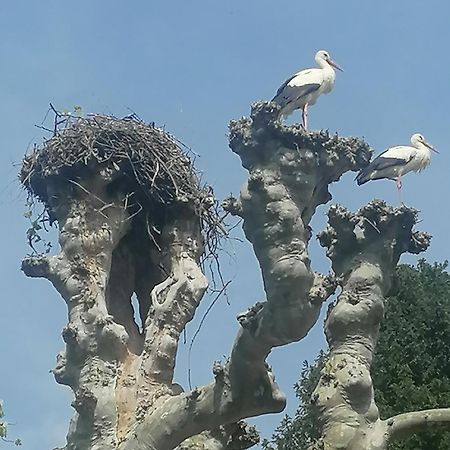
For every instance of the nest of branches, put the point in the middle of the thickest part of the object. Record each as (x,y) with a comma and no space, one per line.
(145,161)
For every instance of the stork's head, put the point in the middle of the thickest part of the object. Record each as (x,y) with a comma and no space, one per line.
(417,139)
(323,57)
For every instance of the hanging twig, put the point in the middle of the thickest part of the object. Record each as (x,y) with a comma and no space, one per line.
(200,326)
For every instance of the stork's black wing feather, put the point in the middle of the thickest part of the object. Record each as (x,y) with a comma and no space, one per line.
(292,93)
(280,89)
(287,94)
(379,163)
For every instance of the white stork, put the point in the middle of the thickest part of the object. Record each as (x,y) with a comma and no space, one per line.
(303,88)
(397,161)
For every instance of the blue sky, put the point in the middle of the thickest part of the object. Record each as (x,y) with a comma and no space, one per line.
(193,66)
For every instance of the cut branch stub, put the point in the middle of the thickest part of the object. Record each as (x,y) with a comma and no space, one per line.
(373,227)
(262,138)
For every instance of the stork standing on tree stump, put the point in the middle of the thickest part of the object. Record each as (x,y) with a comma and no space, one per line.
(397,161)
(303,88)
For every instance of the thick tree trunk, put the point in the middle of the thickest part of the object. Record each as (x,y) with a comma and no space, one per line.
(115,371)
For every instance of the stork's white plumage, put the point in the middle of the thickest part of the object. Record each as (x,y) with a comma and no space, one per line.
(303,88)
(397,161)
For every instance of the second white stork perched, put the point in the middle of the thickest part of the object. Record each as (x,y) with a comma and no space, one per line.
(397,161)
(303,88)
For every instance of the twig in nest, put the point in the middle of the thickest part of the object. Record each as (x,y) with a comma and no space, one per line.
(372,224)
(41,127)
(87,192)
(55,120)
(135,213)
(155,175)
(109,205)
(125,201)
(151,235)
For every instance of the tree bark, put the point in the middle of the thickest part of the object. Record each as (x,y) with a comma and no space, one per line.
(412,422)
(234,436)
(117,372)
(364,249)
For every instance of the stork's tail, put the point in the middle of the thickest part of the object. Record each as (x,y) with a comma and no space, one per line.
(362,177)
(279,100)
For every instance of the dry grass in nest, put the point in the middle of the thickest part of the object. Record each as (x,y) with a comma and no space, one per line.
(144,160)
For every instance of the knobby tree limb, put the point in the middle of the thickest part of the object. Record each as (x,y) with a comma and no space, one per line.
(364,249)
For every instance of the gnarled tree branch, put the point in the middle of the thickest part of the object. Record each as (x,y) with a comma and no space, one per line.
(364,249)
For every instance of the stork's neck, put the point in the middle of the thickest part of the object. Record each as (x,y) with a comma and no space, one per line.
(328,74)
(423,148)
(323,64)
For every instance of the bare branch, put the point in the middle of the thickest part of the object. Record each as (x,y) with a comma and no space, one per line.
(413,422)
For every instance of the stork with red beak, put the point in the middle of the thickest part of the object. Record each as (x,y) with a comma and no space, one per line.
(303,88)
(397,161)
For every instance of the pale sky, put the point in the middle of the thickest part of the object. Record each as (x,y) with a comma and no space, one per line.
(192,66)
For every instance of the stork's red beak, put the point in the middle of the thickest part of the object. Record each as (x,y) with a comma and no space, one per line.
(335,65)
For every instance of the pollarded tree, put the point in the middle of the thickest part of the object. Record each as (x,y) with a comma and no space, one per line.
(134,219)
(411,368)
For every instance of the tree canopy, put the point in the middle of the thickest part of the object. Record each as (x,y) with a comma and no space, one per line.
(411,367)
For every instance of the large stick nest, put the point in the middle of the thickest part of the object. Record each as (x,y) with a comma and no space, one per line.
(145,161)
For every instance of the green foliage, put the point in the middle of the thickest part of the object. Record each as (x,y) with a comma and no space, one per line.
(34,232)
(77,110)
(411,368)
